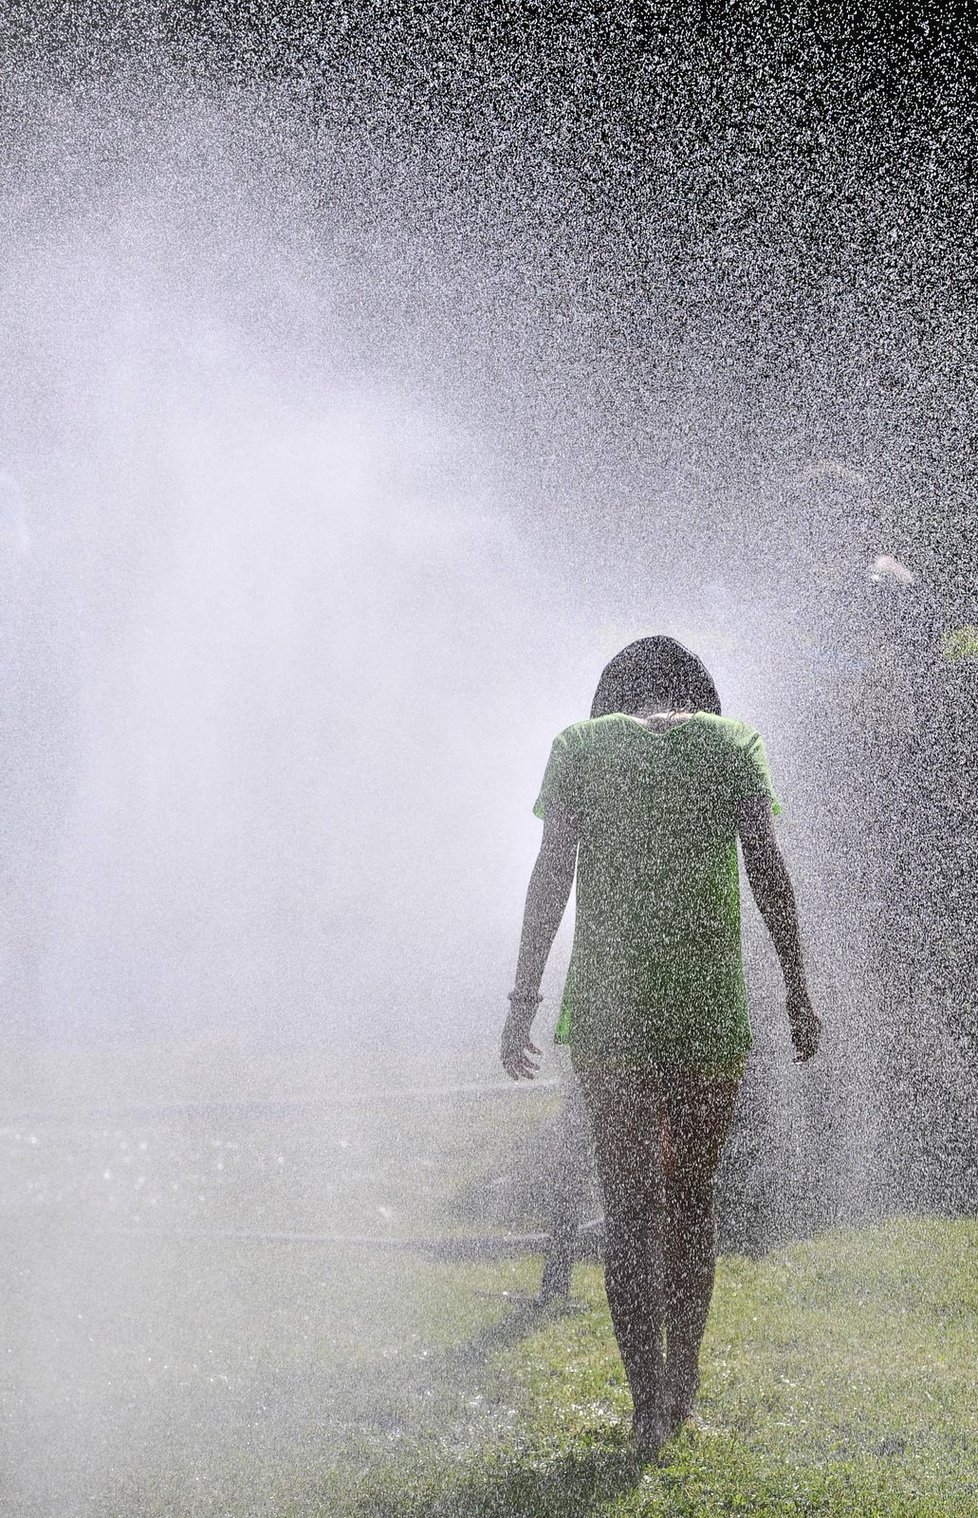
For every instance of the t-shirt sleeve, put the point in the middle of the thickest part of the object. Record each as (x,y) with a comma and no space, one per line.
(559,778)
(755,774)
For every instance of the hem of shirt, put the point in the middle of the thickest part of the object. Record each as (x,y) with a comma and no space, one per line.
(732,1068)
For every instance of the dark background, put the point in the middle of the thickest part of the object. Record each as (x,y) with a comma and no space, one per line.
(780,197)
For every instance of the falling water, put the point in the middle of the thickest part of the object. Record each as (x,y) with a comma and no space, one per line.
(365,387)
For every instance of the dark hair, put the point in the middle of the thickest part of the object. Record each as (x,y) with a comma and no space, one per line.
(655,669)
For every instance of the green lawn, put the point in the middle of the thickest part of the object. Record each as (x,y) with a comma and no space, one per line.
(842,1374)
(157,1356)
(154,1365)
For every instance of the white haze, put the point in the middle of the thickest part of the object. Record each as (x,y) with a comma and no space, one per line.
(308,551)
(313,627)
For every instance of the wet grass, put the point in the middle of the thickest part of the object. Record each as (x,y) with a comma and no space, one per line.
(152,1368)
(839,1375)
(150,1362)
(344,1159)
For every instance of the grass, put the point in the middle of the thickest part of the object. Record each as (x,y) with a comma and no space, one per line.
(152,1365)
(152,1370)
(841,1373)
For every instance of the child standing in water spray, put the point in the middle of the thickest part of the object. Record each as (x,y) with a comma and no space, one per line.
(647,799)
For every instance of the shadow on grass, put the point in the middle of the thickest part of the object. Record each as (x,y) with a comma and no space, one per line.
(525,1317)
(531,1485)
(485,1476)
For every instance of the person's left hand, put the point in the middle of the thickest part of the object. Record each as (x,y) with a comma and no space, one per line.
(805,1023)
(515,1047)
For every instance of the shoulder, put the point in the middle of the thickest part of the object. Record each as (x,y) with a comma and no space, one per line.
(728,732)
(592,733)
(741,754)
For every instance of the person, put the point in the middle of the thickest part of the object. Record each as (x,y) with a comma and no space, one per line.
(647,799)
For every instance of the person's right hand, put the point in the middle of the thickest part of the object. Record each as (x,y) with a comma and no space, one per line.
(516,1046)
(806,1025)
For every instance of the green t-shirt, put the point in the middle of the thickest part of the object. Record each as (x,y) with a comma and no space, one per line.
(656,973)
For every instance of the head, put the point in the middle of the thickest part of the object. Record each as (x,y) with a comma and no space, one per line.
(655,672)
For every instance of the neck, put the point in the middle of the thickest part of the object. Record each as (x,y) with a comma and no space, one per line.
(655,716)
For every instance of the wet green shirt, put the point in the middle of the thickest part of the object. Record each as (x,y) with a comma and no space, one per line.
(656,973)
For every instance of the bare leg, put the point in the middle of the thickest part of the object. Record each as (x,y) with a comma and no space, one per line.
(699,1112)
(625,1110)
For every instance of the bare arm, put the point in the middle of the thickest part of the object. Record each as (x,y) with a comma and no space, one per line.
(770,882)
(546,901)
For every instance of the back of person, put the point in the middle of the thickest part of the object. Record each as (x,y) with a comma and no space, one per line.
(656,974)
(645,802)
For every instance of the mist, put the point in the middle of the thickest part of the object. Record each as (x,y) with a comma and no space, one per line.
(367,385)
(310,612)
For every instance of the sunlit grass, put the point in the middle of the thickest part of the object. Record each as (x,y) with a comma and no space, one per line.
(839,1373)
(155,1365)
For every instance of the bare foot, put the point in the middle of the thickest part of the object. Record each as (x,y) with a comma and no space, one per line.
(650,1432)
